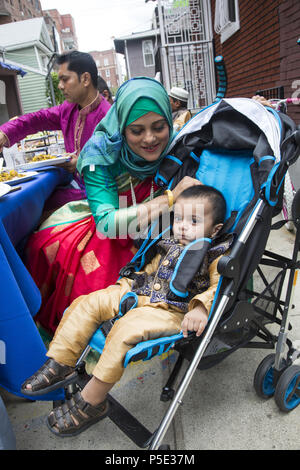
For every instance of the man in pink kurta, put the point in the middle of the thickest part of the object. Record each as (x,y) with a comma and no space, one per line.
(76,117)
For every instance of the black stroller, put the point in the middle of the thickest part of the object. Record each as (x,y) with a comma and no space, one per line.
(244,150)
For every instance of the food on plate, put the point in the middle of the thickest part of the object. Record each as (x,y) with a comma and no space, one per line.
(9,175)
(45,156)
(38,158)
(30,146)
(38,134)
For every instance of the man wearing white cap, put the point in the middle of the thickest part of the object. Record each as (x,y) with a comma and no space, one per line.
(180,113)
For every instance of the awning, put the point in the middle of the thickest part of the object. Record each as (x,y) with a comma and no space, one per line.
(19,71)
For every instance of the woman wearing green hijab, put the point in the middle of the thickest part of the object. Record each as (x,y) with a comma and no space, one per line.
(83,245)
(108,162)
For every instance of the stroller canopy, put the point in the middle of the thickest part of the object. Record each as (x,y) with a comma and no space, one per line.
(233,145)
(238,123)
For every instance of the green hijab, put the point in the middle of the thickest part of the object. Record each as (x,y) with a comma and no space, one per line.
(134,98)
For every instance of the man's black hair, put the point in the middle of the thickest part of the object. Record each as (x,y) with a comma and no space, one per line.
(216,198)
(102,85)
(80,62)
(183,104)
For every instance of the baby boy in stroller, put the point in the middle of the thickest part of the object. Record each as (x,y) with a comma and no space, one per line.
(199,214)
(243,150)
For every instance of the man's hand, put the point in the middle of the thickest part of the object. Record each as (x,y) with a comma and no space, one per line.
(70,165)
(194,320)
(3,140)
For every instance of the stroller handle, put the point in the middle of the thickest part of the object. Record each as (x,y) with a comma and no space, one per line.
(222,77)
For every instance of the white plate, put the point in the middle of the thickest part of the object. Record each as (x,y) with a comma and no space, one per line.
(7,189)
(28,175)
(4,189)
(41,163)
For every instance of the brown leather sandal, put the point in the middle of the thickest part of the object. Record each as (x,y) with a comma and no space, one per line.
(60,421)
(49,377)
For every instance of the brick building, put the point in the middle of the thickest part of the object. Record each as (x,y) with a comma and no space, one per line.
(18,10)
(262,51)
(65,27)
(108,67)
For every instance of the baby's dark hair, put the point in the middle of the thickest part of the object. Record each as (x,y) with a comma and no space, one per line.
(215,197)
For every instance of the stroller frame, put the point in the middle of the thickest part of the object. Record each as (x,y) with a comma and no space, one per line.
(136,430)
(245,315)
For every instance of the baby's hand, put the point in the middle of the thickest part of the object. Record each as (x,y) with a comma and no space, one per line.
(194,320)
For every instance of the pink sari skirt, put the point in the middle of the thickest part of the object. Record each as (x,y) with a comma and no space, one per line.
(70,260)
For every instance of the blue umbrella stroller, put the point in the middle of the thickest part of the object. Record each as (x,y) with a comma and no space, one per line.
(243,149)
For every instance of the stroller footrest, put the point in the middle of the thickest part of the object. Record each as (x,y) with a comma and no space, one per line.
(125,421)
(145,350)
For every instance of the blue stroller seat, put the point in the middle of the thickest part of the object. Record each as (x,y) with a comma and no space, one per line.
(244,150)
(215,168)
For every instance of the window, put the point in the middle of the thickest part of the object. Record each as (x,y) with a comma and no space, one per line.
(276,93)
(148,53)
(45,61)
(107,73)
(106,62)
(68,45)
(227,20)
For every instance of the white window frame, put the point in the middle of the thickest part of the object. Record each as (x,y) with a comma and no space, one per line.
(143,49)
(223,25)
(107,73)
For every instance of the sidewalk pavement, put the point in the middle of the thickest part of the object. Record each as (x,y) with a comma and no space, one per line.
(220,409)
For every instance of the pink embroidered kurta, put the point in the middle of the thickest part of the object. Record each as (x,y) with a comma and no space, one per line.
(77,126)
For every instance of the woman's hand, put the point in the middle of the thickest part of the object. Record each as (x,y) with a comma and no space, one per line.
(185,183)
(194,320)
(151,210)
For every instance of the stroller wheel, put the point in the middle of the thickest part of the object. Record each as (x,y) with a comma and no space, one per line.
(287,393)
(264,377)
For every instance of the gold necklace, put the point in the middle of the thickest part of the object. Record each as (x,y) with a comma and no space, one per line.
(133,193)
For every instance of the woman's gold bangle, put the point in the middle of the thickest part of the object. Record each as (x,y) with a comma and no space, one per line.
(169,193)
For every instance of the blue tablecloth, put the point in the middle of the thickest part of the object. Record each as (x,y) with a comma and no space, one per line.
(22,350)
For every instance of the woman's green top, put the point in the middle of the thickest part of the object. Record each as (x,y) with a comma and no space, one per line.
(103,187)
(112,161)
